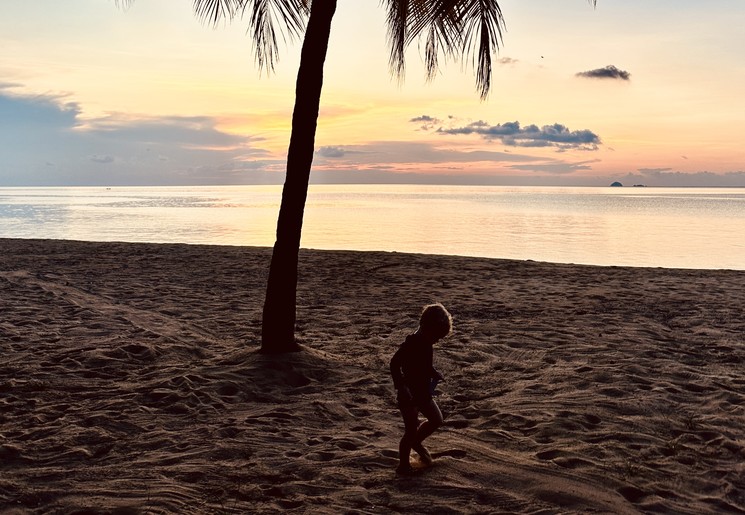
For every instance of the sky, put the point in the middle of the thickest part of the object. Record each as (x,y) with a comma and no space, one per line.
(637,91)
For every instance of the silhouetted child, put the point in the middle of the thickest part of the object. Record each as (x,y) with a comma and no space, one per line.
(415,377)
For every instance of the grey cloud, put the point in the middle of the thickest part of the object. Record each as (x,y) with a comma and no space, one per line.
(543,176)
(331,152)
(669,178)
(184,131)
(556,167)
(653,170)
(424,118)
(46,112)
(513,134)
(427,122)
(101,159)
(609,72)
(376,176)
(404,152)
(36,130)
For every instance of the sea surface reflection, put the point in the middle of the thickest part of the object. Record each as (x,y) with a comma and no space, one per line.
(687,228)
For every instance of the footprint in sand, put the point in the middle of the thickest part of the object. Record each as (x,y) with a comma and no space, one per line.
(348,444)
(228,391)
(453,453)
(592,420)
(632,494)
(321,456)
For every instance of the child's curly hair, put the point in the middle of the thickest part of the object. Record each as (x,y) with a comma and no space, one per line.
(436,320)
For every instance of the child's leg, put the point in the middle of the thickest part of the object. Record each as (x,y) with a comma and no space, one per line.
(409,413)
(434,420)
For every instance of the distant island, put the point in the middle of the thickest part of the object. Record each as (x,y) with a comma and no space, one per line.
(619,185)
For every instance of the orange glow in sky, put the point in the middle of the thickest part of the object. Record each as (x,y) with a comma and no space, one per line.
(628,91)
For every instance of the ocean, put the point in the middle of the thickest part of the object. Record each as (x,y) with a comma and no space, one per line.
(650,227)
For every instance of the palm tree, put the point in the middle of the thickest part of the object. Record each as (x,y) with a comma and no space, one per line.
(451,29)
(464,26)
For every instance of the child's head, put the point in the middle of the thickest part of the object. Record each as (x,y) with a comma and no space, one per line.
(436,321)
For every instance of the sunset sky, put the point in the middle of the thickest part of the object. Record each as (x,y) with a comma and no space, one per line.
(634,90)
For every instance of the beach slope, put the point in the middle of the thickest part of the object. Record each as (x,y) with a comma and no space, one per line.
(130,382)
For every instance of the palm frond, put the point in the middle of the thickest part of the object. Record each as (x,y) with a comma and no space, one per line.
(123,4)
(397,18)
(402,16)
(267,19)
(431,54)
(483,26)
(213,11)
(454,28)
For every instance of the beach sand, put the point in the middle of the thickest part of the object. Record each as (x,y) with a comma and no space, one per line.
(130,382)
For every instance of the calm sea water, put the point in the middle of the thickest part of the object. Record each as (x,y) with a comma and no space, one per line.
(687,228)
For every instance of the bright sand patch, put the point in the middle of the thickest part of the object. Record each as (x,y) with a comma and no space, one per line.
(129,381)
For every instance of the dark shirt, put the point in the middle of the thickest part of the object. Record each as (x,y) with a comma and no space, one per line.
(411,366)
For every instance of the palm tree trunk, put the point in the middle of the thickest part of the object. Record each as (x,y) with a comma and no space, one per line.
(278,324)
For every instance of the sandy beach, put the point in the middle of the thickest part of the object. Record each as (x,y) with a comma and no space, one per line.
(130,382)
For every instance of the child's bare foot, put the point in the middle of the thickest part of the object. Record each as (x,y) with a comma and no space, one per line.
(405,469)
(424,455)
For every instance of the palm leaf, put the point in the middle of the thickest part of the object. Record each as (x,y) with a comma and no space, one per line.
(266,20)
(453,28)
(397,18)
(212,11)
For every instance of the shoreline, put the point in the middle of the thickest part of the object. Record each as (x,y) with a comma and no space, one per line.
(263,248)
(130,381)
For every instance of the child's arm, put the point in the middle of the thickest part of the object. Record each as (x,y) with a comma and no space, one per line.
(398,377)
